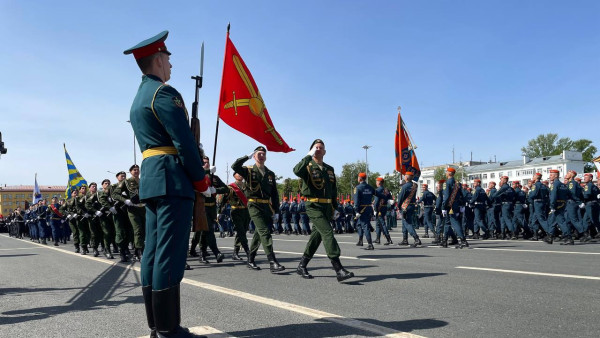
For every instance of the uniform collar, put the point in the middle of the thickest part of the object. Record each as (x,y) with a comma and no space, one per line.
(153,77)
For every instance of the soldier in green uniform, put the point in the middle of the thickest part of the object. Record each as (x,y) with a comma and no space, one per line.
(320,189)
(239,214)
(128,193)
(106,219)
(207,238)
(172,170)
(123,228)
(69,208)
(92,205)
(82,220)
(263,201)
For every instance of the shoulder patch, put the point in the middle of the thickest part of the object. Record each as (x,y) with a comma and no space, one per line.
(178,102)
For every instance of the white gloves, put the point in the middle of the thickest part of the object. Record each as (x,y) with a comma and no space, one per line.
(62,220)
(98,213)
(312,151)
(357,214)
(75,215)
(69,217)
(336,214)
(444,213)
(525,206)
(86,215)
(251,154)
(128,203)
(598,197)
(390,202)
(462,209)
(582,205)
(212,190)
(218,215)
(206,192)
(552,211)
(275,218)
(213,169)
(113,210)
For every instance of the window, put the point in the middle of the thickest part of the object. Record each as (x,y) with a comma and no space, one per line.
(493,175)
(484,176)
(509,173)
(485,186)
(500,174)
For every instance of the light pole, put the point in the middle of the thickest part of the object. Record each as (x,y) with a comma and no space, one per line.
(134,157)
(366,148)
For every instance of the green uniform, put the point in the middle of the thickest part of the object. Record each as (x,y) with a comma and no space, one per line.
(123,228)
(319,186)
(70,208)
(239,215)
(82,221)
(128,189)
(106,220)
(263,199)
(92,204)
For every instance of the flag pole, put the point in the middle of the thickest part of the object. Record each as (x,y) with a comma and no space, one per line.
(217,127)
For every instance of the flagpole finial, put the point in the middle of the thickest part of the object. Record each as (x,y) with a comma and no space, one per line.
(228,26)
(399,108)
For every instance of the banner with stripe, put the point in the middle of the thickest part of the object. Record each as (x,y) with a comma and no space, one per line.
(75,178)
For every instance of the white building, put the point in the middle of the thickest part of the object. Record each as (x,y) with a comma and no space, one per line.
(521,170)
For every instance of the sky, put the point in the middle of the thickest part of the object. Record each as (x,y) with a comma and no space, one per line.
(477,76)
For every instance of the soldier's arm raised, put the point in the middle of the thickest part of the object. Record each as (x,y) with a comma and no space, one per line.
(300,168)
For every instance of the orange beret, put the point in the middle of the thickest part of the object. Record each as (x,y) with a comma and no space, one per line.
(477,180)
(538,174)
(590,175)
(573,172)
(362,175)
(554,171)
(409,173)
(504,177)
(379,178)
(442,181)
(578,179)
(425,185)
(516,182)
(493,182)
(285,199)
(450,169)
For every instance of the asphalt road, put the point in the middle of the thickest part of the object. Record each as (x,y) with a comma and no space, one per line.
(494,289)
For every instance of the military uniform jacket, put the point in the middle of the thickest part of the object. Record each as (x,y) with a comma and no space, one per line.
(539,194)
(494,198)
(405,193)
(258,186)
(428,198)
(301,207)
(294,207)
(506,194)
(363,197)
(92,202)
(52,214)
(590,192)
(318,181)
(448,188)
(105,199)
(349,209)
(219,186)
(559,194)
(42,213)
(467,196)
(80,208)
(576,191)
(231,197)
(479,197)
(159,119)
(381,200)
(438,202)
(284,209)
(520,197)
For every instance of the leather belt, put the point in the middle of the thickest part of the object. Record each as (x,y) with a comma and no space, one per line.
(319,200)
(258,200)
(506,202)
(240,207)
(538,200)
(478,203)
(428,206)
(366,205)
(212,204)
(159,151)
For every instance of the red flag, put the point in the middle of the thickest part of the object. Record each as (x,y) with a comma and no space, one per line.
(241,106)
(406,159)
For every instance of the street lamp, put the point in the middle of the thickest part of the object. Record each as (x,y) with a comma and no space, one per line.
(134,157)
(366,148)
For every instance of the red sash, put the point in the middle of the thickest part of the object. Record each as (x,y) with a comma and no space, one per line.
(239,193)
(53,208)
(412,193)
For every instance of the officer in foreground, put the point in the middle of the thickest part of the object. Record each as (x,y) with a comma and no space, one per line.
(171,171)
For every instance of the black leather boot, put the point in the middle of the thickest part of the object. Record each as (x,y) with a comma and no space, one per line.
(301,269)
(274,266)
(341,273)
(585,237)
(219,257)
(167,313)
(107,253)
(377,240)
(115,248)
(84,249)
(514,235)
(548,239)
(44,241)
(435,240)
(389,240)
(426,234)
(445,242)
(96,252)
(193,253)
(236,252)
(568,241)
(147,293)
(404,240)
(251,263)
(203,256)
(360,242)
(417,242)
(463,243)
(77,248)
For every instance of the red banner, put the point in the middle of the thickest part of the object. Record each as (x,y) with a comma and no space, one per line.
(406,159)
(241,106)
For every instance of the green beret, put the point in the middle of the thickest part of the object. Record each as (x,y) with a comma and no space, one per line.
(260,148)
(120,173)
(315,142)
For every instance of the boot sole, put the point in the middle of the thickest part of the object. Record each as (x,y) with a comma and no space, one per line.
(350,275)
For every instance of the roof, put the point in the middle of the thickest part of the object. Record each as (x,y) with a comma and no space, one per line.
(29,188)
(497,166)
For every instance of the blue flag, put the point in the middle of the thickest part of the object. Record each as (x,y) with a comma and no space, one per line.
(75,178)
(37,195)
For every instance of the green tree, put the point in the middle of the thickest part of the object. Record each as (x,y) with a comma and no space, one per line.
(549,145)
(289,185)
(347,179)
(440,174)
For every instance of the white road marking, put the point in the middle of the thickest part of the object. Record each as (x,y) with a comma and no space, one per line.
(306,240)
(530,273)
(314,313)
(18,249)
(322,255)
(207,331)
(544,251)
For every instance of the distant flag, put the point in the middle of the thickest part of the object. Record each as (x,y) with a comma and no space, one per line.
(242,107)
(37,195)
(597,163)
(406,159)
(75,178)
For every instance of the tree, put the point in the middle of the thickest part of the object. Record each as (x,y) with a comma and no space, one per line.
(440,174)
(549,145)
(288,186)
(347,179)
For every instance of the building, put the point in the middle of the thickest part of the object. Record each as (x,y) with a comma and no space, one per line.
(15,196)
(519,170)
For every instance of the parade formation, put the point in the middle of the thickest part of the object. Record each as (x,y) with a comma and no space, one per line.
(149,217)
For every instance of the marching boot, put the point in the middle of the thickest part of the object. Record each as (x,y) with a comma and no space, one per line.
(166,307)
(193,253)
(219,257)
(514,235)
(389,240)
(426,234)
(236,256)
(107,253)
(370,247)
(568,241)
(534,237)
(96,252)
(251,263)
(147,293)
(404,240)
(84,249)
(548,239)
(445,242)
(202,258)
(435,240)
(44,241)
(301,269)
(77,248)
(417,242)
(463,243)
(115,248)
(476,235)
(341,273)
(55,243)
(454,240)
(274,266)
(123,255)
(585,237)
(378,239)
(360,242)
